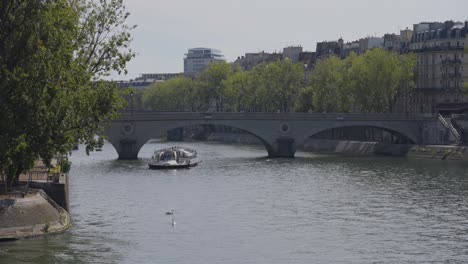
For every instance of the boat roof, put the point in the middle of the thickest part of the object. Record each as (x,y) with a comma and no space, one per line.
(176,148)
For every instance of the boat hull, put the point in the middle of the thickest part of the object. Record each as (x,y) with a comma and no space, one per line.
(166,167)
(172,166)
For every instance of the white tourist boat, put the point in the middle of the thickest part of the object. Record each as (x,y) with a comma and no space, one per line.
(174,157)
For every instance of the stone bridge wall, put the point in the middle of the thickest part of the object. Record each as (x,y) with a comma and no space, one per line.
(280,133)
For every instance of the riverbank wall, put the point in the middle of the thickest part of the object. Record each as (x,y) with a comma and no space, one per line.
(442,152)
(57,191)
(32,215)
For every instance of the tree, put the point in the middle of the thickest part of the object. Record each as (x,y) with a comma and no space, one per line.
(367,83)
(275,86)
(210,84)
(236,91)
(50,95)
(377,77)
(173,95)
(327,81)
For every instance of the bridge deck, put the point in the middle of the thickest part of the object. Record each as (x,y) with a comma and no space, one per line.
(166,116)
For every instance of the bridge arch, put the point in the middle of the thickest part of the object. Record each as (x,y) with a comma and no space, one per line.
(405,136)
(138,134)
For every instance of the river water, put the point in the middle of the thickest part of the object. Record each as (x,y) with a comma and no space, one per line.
(240,207)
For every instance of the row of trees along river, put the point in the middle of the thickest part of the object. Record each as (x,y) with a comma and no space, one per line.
(52,56)
(367,83)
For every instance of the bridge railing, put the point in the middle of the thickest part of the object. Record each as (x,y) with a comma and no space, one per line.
(147,115)
(450,127)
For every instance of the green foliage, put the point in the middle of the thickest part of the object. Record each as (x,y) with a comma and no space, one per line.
(210,86)
(367,83)
(236,91)
(66,166)
(279,84)
(51,56)
(173,95)
(327,83)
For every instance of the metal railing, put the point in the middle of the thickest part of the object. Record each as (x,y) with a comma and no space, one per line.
(450,127)
(167,116)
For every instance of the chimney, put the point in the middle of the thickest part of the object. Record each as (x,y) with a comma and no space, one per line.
(466,24)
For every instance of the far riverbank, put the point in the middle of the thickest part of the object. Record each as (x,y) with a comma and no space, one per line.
(443,152)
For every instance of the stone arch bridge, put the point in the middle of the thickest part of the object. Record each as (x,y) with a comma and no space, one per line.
(281,133)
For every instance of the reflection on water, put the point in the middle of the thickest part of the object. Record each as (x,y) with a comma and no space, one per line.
(240,207)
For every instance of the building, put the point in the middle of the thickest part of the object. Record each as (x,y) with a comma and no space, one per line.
(292,53)
(147,79)
(197,59)
(406,36)
(369,43)
(392,42)
(251,60)
(442,67)
(349,48)
(326,49)
(308,59)
(152,77)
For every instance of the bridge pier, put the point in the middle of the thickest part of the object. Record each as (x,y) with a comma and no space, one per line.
(128,149)
(285,148)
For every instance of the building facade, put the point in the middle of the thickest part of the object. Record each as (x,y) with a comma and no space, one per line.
(369,43)
(327,49)
(197,59)
(147,79)
(251,60)
(349,48)
(292,53)
(442,67)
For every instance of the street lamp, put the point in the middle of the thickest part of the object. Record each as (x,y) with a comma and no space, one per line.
(131,103)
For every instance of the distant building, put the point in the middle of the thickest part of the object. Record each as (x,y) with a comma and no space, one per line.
(369,43)
(392,42)
(326,49)
(308,59)
(147,79)
(197,59)
(151,77)
(292,53)
(442,66)
(406,36)
(251,60)
(349,48)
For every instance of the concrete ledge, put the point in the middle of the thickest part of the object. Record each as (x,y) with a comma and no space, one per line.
(443,152)
(36,214)
(374,148)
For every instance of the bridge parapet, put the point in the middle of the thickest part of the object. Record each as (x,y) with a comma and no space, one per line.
(273,116)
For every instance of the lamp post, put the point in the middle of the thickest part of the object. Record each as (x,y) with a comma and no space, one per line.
(131,103)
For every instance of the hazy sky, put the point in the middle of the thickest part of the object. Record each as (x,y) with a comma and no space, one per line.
(167,28)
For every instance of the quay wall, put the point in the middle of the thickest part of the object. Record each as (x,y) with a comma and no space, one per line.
(33,215)
(443,152)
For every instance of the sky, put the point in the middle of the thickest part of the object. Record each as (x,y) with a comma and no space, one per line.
(166,29)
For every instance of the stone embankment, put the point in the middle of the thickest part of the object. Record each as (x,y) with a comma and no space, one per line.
(376,148)
(33,215)
(359,148)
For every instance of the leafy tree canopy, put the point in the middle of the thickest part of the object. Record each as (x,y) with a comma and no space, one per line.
(52,55)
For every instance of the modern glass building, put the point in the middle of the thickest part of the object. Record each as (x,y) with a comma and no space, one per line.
(197,59)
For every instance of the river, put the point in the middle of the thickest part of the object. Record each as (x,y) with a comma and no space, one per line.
(240,207)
